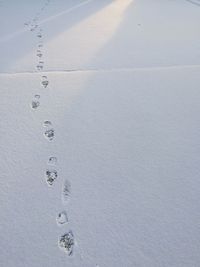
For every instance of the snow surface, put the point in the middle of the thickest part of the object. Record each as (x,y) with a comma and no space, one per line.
(123,105)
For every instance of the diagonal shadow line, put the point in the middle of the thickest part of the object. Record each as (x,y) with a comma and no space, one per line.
(66,11)
(83,10)
(69,10)
(192,2)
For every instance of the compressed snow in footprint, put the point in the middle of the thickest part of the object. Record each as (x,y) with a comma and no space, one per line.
(47,124)
(51,176)
(66,243)
(52,161)
(45,83)
(35,104)
(49,134)
(37,96)
(62,218)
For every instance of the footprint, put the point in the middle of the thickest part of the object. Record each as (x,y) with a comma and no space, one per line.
(66,243)
(45,83)
(33,27)
(62,218)
(47,124)
(66,191)
(39,67)
(51,176)
(39,54)
(52,161)
(49,134)
(39,35)
(37,96)
(35,104)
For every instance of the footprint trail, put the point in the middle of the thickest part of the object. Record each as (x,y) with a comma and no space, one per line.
(66,242)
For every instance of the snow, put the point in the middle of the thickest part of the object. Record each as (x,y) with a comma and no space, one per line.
(122,102)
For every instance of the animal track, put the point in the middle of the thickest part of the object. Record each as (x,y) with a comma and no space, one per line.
(33,27)
(47,123)
(35,104)
(66,243)
(39,35)
(51,176)
(39,54)
(52,161)
(62,218)
(66,191)
(37,96)
(49,134)
(39,67)
(44,82)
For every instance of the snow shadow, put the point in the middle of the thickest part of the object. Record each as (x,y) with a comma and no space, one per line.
(19,44)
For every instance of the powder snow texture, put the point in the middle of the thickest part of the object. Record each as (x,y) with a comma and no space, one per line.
(126,123)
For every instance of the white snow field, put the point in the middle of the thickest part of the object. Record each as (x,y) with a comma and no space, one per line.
(100,133)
